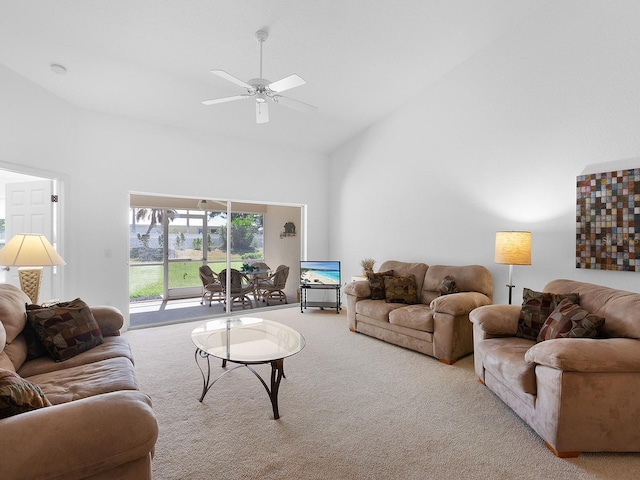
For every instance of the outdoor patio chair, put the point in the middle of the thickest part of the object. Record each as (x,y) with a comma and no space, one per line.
(241,287)
(272,288)
(211,286)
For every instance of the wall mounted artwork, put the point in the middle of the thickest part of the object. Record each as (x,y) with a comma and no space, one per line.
(608,221)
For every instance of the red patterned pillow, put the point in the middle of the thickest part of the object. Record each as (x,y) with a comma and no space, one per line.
(18,396)
(401,290)
(536,308)
(376,284)
(66,329)
(569,320)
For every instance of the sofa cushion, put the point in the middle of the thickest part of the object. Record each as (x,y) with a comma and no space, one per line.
(468,278)
(621,308)
(376,309)
(84,381)
(17,352)
(401,290)
(12,302)
(111,347)
(505,359)
(418,317)
(405,269)
(536,308)
(376,284)
(18,395)
(569,320)
(66,329)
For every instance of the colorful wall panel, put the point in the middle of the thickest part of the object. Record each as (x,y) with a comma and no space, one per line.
(608,221)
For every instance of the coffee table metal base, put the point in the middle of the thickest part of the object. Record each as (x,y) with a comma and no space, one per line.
(277,372)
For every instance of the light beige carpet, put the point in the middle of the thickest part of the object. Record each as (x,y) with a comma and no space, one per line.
(352,407)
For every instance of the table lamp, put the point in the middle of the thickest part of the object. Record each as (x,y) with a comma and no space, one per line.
(513,248)
(30,252)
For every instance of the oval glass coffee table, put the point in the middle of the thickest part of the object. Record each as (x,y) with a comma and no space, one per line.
(246,341)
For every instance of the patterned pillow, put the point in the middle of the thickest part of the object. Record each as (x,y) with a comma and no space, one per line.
(536,308)
(35,349)
(400,290)
(376,284)
(569,320)
(18,396)
(448,286)
(66,329)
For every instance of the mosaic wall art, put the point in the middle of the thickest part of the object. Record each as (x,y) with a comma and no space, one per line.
(608,221)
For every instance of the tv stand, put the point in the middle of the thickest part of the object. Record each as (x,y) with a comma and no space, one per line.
(304,288)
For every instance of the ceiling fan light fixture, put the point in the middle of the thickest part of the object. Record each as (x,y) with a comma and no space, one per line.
(263,89)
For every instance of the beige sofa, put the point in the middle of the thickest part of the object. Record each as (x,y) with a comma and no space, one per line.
(438,325)
(98,426)
(578,394)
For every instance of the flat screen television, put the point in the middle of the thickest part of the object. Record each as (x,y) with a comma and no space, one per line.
(319,274)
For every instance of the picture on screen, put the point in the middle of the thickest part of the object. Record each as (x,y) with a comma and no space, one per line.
(319,273)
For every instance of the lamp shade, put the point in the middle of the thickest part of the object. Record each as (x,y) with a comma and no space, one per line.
(513,248)
(29,250)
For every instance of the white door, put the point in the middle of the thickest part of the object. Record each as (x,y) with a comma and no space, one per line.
(29,209)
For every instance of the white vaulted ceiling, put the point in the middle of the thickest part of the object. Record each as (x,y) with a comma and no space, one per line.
(150,59)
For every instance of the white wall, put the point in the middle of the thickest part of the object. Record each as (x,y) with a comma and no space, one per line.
(497,145)
(105,157)
(285,250)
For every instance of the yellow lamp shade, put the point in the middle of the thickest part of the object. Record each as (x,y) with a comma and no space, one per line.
(513,248)
(30,250)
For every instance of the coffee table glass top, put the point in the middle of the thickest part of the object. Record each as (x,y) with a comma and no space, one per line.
(247,339)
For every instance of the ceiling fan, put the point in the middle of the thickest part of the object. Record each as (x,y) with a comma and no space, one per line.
(263,90)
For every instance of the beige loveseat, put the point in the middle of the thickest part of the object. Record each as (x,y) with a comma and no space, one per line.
(98,426)
(578,394)
(437,325)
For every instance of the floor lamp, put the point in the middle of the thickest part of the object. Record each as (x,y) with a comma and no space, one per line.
(513,248)
(30,252)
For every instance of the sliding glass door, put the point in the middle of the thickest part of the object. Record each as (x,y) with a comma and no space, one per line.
(168,246)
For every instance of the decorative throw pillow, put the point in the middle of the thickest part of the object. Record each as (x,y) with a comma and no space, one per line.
(35,349)
(536,308)
(569,320)
(376,284)
(400,290)
(448,286)
(66,329)
(18,396)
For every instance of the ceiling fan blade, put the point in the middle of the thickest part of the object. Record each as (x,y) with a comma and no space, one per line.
(286,83)
(231,78)
(295,104)
(225,99)
(262,112)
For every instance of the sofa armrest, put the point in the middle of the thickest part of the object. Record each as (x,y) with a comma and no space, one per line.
(78,439)
(608,355)
(459,303)
(110,319)
(496,319)
(355,291)
(360,289)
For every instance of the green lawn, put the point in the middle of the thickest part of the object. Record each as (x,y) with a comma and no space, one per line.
(146,281)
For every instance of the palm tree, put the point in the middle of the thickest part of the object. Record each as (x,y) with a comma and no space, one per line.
(155,215)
